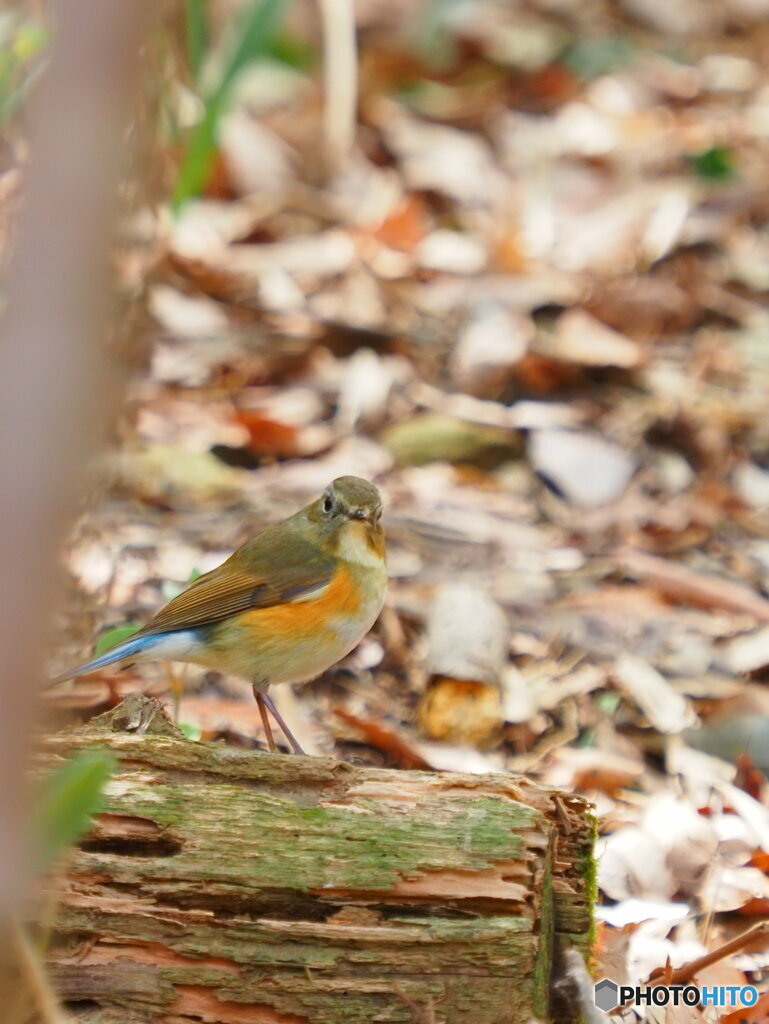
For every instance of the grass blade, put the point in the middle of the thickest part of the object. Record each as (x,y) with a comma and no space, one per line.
(254,39)
(197,36)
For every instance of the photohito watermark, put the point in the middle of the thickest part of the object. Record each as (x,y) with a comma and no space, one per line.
(608,994)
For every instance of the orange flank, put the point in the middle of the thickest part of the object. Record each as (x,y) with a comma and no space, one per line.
(312,616)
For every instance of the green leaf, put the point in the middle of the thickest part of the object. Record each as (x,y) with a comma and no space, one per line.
(295,53)
(591,58)
(716,163)
(586,739)
(115,636)
(255,39)
(32,39)
(66,803)
(192,732)
(170,590)
(432,31)
(607,701)
(21,48)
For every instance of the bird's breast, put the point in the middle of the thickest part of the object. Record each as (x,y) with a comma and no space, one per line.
(368,584)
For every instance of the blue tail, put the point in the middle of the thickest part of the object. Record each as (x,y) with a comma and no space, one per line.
(127,649)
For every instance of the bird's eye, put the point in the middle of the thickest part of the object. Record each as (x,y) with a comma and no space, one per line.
(328,503)
(360,513)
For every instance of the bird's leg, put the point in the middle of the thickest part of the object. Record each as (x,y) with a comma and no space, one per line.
(177,688)
(279,719)
(265,717)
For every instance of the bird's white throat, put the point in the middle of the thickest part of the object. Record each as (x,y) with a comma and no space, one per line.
(354,547)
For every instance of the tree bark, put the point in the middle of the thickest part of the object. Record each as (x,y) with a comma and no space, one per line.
(230,886)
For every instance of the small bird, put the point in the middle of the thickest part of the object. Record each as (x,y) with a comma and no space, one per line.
(284,607)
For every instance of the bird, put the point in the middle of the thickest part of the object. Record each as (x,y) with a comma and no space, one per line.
(283,608)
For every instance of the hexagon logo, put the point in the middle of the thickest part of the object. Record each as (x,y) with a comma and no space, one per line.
(605,994)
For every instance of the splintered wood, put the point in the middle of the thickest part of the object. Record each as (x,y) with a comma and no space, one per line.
(229,886)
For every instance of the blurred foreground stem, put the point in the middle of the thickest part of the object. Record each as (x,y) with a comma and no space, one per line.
(55,391)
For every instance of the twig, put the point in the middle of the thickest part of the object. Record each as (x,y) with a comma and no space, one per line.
(386,740)
(688,971)
(665,976)
(340,77)
(679,582)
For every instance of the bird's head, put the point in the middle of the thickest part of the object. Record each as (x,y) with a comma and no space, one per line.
(348,515)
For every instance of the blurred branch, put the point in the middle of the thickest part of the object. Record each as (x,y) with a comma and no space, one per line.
(54,386)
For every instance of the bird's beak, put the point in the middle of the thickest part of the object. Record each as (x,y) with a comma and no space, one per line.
(370,516)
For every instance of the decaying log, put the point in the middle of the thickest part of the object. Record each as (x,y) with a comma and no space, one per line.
(230,886)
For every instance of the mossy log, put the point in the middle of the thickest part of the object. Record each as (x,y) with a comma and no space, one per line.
(235,887)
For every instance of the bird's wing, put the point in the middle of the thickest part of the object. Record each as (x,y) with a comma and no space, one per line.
(266,572)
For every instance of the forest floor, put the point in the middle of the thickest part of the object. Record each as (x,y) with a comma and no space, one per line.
(531,304)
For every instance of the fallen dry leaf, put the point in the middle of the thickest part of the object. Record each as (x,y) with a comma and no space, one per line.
(580,338)
(665,708)
(586,469)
